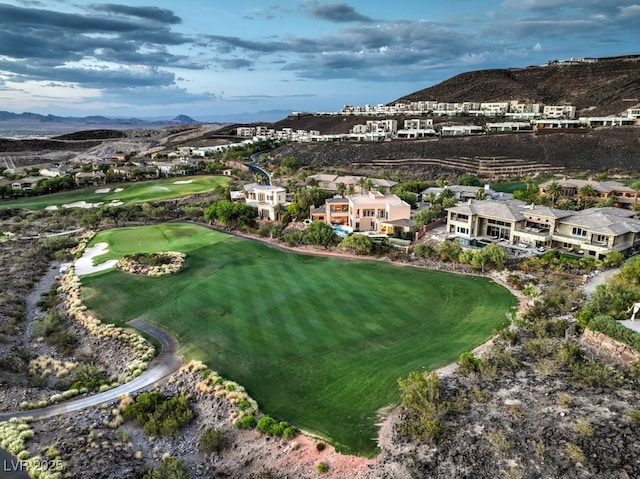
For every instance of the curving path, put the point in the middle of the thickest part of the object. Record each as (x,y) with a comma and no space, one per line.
(160,367)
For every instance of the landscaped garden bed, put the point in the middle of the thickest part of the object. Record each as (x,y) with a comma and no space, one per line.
(152,264)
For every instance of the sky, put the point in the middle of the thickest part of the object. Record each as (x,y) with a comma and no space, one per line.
(203,58)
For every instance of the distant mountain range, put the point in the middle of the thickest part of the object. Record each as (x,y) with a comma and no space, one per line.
(25,124)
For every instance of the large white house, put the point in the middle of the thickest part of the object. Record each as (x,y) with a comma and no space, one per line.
(266,198)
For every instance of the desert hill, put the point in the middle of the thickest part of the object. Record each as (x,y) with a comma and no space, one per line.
(606,87)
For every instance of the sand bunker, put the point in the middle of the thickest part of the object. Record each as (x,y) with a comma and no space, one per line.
(103,190)
(117,190)
(182,182)
(84,264)
(81,204)
(160,188)
(50,208)
(116,203)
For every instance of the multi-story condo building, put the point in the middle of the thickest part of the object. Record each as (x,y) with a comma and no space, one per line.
(559,111)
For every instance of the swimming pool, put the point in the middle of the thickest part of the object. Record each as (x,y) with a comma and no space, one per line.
(341,230)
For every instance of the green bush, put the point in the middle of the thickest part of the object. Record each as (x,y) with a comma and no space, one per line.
(468,364)
(268,425)
(322,467)
(170,468)
(213,440)
(246,422)
(320,446)
(609,326)
(596,375)
(159,415)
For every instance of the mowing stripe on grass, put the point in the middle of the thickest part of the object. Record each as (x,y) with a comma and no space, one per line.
(316,343)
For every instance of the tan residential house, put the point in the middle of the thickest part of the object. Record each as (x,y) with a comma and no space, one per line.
(370,211)
(570,189)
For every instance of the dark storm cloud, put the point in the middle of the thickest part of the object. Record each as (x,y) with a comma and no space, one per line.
(336,12)
(39,44)
(161,15)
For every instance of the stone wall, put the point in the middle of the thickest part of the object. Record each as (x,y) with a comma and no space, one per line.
(610,349)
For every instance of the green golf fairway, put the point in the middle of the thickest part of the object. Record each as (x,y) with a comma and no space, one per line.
(133,192)
(319,342)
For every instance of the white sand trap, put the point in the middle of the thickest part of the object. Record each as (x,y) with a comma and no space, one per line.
(160,188)
(78,204)
(117,190)
(116,203)
(84,264)
(51,208)
(103,190)
(182,182)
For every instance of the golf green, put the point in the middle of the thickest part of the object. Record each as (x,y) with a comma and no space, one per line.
(127,193)
(319,342)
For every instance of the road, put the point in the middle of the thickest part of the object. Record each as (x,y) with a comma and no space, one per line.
(164,364)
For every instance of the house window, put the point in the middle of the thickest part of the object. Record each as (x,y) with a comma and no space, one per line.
(575,231)
(368,213)
(461,230)
(599,238)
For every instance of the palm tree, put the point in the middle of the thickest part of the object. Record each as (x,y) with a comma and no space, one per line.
(368,184)
(279,211)
(553,191)
(341,188)
(362,183)
(585,194)
(351,189)
(481,194)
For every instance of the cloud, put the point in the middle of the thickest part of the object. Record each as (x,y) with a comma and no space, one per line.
(160,15)
(39,44)
(335,12)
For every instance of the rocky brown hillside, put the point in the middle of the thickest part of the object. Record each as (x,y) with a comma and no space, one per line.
(606,87)
(610,149)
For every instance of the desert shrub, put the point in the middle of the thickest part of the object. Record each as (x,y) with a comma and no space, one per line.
(322,467)
(507,335)
(502,360)
(424,250)
(87,375)
(633,415)
(583,427)
(320,446)
(421,395)
(568,353)
(213,440)
(159,415)
(564,400)
(48,323)
(64,341)
(596,375)
(468,364)
(574,452)
(499,441)
(294,238)
(169,468)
